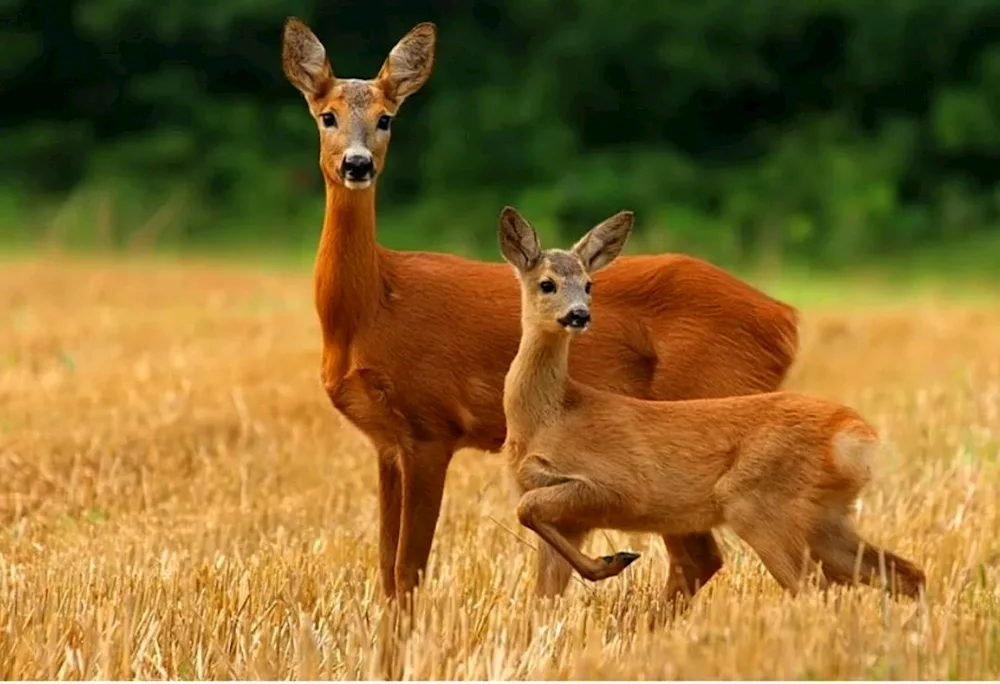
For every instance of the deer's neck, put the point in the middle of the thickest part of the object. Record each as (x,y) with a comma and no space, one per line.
(535,385)
(346,272)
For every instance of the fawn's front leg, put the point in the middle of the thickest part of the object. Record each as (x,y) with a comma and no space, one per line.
(552,570)
(571,505)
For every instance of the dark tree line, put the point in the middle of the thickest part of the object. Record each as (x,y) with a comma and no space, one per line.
(822,129)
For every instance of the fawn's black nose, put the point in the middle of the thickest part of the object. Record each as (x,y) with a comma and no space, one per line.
(357,167)
(576,318)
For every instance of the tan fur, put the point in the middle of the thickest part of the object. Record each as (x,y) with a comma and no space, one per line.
(416,344)
(782,469)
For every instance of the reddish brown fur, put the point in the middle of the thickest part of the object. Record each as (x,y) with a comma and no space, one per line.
(782,469)
(416,344)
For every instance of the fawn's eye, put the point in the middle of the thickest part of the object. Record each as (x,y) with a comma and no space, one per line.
(328,119)
(547,286)
(586,288)
(383,122)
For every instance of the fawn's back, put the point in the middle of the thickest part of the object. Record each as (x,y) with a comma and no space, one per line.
(662,460)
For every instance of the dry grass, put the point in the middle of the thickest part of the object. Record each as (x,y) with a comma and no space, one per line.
(178,499)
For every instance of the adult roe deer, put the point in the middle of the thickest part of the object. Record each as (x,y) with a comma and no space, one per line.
(782,469)
(416,344)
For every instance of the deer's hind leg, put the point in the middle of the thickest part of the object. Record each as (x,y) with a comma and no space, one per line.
(555,504)
(694,560)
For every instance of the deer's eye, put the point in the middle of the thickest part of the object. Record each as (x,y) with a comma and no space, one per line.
(384,122)
(547,286)
(328,120)
(586,288)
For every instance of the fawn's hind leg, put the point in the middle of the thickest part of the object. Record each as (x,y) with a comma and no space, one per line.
(836,544)
(778,532)
(568,505)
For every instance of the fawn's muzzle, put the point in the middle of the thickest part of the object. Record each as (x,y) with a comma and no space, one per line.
(357,167)
(576,318)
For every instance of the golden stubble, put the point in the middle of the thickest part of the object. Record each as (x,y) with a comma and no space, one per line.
(178,499)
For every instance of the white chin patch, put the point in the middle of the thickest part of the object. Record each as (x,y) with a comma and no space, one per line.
(357,185)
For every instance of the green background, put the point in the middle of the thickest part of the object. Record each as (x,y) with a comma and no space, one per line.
(825,133)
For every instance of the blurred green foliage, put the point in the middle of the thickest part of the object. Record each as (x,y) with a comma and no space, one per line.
(824,131)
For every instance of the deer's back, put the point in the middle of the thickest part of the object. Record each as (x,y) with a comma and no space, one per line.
(719,335)
(448,328)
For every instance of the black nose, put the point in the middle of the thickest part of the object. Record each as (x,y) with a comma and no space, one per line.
(357,167)
(577,318)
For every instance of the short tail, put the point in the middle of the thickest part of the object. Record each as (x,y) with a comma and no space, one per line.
(852,449)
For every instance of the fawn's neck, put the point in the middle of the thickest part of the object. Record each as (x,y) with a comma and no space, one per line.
(535,385)
(346,272)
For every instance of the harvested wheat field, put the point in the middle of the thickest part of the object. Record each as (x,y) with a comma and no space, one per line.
(178,499)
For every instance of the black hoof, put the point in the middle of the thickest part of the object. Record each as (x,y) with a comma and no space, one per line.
(626,558)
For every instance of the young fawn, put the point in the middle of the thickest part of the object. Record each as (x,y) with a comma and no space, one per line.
(781,469)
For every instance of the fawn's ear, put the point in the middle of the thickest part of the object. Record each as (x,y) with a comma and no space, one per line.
(410,63)
(304,60)
(605,241)
(518,241)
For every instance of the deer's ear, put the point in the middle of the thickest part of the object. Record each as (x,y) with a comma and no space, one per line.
(410,62)
(518,241)
(304,60)
(605,241)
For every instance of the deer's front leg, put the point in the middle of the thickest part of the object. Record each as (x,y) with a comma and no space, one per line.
(423,469)
(390,499)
